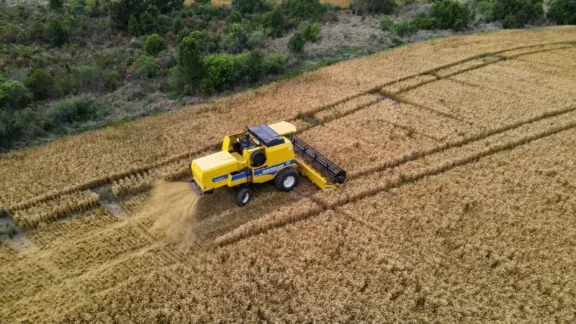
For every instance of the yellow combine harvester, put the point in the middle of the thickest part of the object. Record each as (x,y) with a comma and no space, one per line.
(260,154)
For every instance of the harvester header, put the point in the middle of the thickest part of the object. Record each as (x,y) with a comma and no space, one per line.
(263,153)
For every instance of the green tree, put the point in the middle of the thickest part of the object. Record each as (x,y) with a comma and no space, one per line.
(220,72)
(275,22)
(296,43)
(121,10)
(311,31)
(40,83)
(133,26)
(274,64)
(386,23)
(14,95)
(517,13)
(56,4)
(58,33)
(191,68)
(166,6)
(303,9)
(154,44)
(250,6)
(373,6)
(147,23)
(451,14)
(563,12)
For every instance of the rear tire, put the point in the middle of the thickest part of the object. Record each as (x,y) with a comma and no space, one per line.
(286,180)
(243,196)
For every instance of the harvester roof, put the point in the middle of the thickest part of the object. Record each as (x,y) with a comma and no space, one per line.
(266,135)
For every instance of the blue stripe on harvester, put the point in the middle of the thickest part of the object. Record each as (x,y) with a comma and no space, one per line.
(220,178)
(240,175)
(274,168)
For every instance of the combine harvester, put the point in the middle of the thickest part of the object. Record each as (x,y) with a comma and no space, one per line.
(260,154)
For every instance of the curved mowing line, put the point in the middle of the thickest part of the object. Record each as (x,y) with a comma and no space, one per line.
(110,178)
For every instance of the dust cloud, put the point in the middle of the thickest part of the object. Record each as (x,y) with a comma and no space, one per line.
(179,212)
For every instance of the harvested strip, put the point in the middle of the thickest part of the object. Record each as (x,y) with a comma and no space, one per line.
(565,59)
(467,66)
(281,217)
(66,229)
(65,205)
(423,121)
(347,107)
(535,49)
(411,83)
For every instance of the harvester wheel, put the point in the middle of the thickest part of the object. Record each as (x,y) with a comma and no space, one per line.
(286,180)
(243,196)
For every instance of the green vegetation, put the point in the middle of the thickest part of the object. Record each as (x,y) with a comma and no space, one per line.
(518,13)
(563,12)
(373,6)
(69,66)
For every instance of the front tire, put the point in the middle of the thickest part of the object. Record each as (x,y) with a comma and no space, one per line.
(243,196)
(286,180)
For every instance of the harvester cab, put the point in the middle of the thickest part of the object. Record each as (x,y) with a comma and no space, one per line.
(261,154)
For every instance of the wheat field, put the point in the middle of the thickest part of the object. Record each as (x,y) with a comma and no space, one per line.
(459,207)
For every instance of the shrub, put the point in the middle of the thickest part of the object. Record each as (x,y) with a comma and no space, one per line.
(486,8)
(563,12)
(121,10)
(386,23)
(58,33)
(14,95)
(256,39)
(112,80)
(133,26)
(249,66)
(250,6)
(40,83)
(423,21)
(405,28)
(310,31)
(450,14)
(191,68)
(155,44)
(274,64)
(147,24)
(87,78)
(166,6)
(296,43)
(70,110)
(275,22)
(303,9)
(220,72)
(373,6)
(56,4)
(28,124)
(147,67)
(517,13)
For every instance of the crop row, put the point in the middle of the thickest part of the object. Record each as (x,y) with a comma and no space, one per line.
(131,185)
(278,218)
(69,228)
(65,205)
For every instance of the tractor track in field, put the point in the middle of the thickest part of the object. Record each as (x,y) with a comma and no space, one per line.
(374,90)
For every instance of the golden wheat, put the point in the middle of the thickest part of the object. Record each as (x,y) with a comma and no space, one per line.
(64,205)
